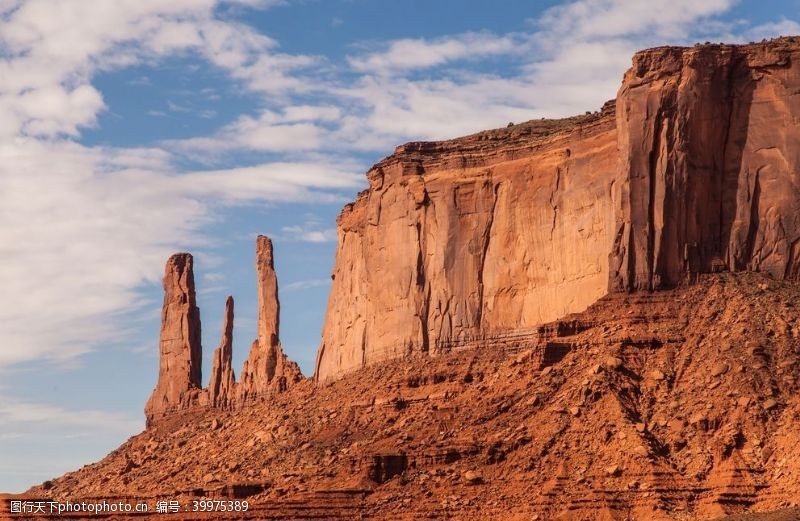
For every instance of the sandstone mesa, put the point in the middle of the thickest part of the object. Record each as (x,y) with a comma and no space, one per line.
(586,318)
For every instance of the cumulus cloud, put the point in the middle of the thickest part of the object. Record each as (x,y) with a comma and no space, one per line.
(51,48)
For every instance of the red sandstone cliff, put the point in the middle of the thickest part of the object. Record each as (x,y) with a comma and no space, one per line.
(457,241)
(709,148)
(501,230)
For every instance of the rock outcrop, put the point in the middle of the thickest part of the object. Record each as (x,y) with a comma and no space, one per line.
(467,238)
(267,369)
(180,354)
(221,386)
(691,170)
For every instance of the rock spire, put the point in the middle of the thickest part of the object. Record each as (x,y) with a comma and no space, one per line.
(267,369)
(221,387)
(180,353)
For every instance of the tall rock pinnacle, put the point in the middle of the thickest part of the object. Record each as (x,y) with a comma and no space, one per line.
(180,353)
(266,369)
(221,385)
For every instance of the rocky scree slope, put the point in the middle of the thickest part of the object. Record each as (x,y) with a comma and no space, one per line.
(677,404)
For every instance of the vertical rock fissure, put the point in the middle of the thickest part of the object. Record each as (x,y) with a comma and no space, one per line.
(752,231)
(723,239)
(652,180)
(553,205)
(487,235)
(421,283)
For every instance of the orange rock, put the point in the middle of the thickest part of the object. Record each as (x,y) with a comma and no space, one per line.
(180,353)
(456,242)
(221,387)
(267,369)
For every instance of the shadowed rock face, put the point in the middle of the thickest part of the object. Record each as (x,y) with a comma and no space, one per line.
(709,154)
(180,354)
(691,170)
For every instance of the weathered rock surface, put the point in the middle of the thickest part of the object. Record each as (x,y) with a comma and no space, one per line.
(502,230)
(709,154)
(180,354)
(267,369)
(221,386)
(692,170)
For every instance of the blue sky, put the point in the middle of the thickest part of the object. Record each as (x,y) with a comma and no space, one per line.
(133,129)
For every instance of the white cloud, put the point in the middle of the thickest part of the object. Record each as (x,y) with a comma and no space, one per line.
(279,182)
(409,54)
(398,109)
(301,285)
(17,413)
(601,19)
(782,27)
(258,4)
(51,48)
(294,128)
(572,61)
(309,232)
